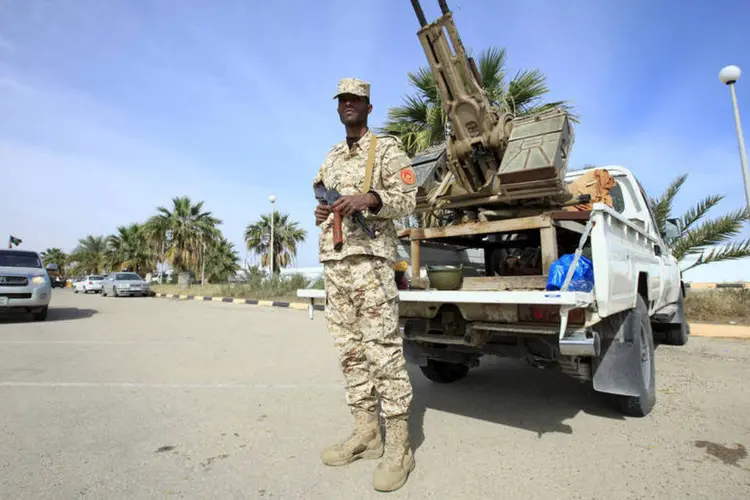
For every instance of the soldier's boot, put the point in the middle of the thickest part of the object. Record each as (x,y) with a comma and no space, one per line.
(398,459)
(364,442)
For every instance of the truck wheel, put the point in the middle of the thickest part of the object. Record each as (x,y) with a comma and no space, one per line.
(678,334)
(40,315)
(444,372)
(643,339)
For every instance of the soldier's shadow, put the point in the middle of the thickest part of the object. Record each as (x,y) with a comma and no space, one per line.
(507,393)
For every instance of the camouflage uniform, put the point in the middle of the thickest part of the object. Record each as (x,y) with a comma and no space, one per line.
(362,299)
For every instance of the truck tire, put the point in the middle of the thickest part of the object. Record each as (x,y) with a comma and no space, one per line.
(678,333)
(41,314)
(643,338)
(444,372)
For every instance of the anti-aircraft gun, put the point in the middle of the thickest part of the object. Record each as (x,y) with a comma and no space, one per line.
(493,158)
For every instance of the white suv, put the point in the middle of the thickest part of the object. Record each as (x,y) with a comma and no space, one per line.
(24,283)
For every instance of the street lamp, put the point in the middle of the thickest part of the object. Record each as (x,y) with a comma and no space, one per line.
(272,199)
(729,75)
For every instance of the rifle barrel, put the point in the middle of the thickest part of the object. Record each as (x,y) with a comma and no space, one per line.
(420,13)
(443,6)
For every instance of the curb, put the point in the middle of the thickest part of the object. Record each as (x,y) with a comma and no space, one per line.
(233,300)
(710,330)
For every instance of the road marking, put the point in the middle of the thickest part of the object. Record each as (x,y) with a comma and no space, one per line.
(138,385)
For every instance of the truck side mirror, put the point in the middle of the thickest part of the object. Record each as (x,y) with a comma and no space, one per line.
(52,267)
(672,229)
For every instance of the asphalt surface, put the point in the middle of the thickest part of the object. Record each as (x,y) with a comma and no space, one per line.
(156,398)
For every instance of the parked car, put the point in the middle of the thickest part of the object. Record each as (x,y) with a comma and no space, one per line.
(24,283)
(126,283)
(90,283)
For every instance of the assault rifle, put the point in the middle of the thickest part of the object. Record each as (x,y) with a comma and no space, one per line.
(328,197)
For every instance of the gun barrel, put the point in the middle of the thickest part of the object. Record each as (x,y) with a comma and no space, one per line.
(443,7)
(420,13)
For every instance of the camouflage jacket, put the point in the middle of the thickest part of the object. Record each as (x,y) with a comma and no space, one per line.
(392,180)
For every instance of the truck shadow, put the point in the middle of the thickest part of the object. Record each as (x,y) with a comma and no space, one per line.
(54,314)
(508,393)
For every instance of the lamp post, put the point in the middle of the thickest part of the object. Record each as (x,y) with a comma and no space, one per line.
(272,199)
(729,75)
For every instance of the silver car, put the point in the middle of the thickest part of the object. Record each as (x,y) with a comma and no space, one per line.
(125,283)
(24,283)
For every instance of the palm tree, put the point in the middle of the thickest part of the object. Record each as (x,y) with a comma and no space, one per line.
(157,234)
(89,255)
(187,230)
(130,249)
(421,122)
(56,256)
(222,261)
(286,236)
(696,239)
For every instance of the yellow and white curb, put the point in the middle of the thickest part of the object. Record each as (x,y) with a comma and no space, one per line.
(234,300)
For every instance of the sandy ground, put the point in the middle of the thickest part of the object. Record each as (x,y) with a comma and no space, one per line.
(154,398)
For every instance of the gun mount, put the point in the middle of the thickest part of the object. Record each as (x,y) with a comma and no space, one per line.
(492,156)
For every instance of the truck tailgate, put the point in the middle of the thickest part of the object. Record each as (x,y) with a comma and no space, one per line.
(567,299)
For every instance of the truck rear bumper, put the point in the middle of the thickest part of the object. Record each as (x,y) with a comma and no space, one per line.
(573,340)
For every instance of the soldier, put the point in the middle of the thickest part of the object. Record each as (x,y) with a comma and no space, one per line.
(374,176)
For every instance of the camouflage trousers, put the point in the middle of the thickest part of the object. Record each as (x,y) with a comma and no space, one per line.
(362,317)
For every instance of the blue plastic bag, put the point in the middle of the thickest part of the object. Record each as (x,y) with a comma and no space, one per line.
(583,276)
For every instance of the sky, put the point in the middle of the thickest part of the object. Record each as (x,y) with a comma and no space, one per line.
(110,109)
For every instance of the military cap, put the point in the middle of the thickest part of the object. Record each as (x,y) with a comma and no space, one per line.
(353,86)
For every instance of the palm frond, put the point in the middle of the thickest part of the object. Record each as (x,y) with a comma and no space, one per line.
(414,110)
(697,212)
(662,206)
(711,233)
(733,251)
(424,81)
(491,67)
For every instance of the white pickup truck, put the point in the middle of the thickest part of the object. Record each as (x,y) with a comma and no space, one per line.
(603,336)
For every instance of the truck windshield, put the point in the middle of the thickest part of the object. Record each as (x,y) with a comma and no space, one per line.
(19,259)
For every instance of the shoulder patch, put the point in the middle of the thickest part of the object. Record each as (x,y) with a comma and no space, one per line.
(408,176)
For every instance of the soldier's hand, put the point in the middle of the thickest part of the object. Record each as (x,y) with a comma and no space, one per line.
(348,204)
(321,213)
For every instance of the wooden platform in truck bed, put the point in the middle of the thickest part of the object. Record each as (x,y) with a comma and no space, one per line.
(546,223)
(504,283)
(545,220)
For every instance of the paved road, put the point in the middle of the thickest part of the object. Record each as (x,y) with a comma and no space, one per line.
(155,398)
